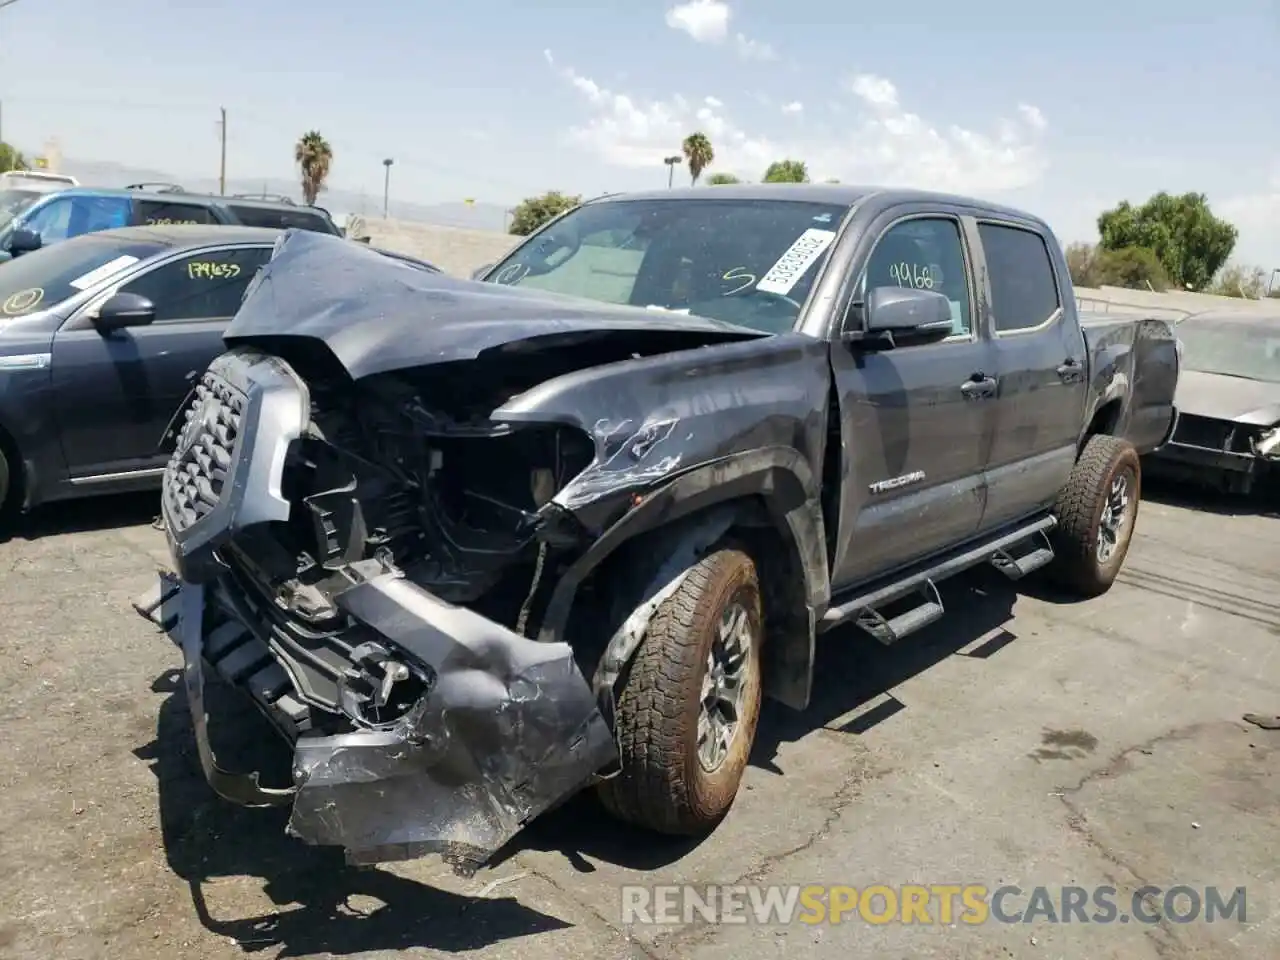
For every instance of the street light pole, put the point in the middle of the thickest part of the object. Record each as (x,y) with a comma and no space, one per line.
(671,168)
(386,187)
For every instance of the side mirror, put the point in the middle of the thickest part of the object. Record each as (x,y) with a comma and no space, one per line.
(904,311)
(125,310)
(24,241)
(479,272)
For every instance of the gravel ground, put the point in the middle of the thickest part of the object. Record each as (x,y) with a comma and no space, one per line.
(1023,740)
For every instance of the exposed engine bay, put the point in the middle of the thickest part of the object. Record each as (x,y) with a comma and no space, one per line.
(451,501)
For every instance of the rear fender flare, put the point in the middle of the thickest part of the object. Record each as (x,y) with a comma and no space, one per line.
(680,521)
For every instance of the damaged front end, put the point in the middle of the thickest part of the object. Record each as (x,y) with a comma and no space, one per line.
(369,570)
(1238,456)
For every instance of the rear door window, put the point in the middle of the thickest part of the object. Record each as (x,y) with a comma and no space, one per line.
(204,286)
(163,213)
(1024,292)
(282,219)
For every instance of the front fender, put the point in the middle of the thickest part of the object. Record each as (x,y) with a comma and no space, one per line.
(686,516)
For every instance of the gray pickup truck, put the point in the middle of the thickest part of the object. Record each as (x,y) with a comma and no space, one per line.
(474,545)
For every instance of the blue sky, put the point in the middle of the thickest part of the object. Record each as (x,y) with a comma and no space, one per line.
(497,99)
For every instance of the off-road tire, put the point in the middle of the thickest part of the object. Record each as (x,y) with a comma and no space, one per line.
(661,785)
(1079,511)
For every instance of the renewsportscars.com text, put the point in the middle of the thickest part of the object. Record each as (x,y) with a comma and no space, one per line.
(932,904)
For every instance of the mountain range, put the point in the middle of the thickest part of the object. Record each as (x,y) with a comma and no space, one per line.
(340,203)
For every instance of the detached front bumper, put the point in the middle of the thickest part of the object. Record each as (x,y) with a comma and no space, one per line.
(506,728)
(1212,467)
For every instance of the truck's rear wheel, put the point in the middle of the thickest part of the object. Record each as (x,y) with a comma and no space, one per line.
(1096,513)
(689,701)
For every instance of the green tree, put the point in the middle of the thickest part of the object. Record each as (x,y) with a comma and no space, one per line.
(786,171)
(11,158)
(314,157)
(533,212)
(698,154)
(722,179)
(1134,267)
(1188,239)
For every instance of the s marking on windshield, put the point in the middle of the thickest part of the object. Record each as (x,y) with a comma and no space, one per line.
(799,257)
(98,274)
(738,273)
(512,273)
(22,301)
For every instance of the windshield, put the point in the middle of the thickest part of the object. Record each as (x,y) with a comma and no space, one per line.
(1236,348)
(13,202)
(45,277)
(748,262)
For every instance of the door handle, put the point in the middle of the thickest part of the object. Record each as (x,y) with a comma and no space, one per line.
(1071,370)
(978,387)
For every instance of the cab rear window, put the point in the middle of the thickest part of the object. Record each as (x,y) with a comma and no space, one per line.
(283,219)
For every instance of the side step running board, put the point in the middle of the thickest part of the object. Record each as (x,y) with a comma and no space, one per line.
(1016,564)
(892,630)
(1015,554)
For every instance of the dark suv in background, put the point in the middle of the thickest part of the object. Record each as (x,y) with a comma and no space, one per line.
(49,218)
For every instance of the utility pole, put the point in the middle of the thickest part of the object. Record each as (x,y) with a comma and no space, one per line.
(386,187)
(222,170)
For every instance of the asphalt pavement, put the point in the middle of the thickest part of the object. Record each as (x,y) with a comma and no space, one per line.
(1024,740)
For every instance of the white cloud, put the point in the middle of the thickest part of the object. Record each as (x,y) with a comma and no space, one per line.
(876,91)
(881,141)
(1033,116)
(754,49)
(707,21)
(795,106)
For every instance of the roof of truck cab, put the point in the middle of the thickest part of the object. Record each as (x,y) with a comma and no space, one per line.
(834,193)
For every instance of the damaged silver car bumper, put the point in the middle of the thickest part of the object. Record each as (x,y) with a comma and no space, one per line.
(506,728)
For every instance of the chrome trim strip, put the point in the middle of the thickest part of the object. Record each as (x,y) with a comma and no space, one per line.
(122,475)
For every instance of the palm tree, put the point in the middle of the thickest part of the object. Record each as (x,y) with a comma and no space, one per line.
(314,156)
(698,153)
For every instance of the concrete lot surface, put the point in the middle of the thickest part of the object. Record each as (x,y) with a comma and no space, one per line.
(1025,740)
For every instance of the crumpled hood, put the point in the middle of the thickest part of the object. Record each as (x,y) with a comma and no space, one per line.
(1228,398)
(376,314)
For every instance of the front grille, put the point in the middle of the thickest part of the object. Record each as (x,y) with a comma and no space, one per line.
(201,463)
(1205,432)
(316,657)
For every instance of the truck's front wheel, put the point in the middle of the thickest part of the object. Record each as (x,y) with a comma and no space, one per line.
(689,701)
(1096,513)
